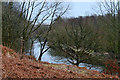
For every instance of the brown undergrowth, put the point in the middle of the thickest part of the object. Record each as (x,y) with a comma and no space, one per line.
(13,66)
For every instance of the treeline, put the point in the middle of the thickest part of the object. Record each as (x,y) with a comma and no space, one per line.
(90,39)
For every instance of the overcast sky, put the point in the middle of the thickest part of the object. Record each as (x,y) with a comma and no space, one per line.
(81,9)
(77,9)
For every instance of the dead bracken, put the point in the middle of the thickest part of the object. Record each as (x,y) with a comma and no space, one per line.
(14,67)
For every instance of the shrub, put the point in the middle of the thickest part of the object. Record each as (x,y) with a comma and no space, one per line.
(111,67)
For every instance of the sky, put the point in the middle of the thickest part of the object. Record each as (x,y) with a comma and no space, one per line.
(81,9)
(76,9)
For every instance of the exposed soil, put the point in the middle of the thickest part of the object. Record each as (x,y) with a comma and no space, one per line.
(15,65)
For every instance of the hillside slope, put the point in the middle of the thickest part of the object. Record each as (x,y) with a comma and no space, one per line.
(21,66)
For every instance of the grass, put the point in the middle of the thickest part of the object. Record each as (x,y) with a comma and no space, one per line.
(67,68)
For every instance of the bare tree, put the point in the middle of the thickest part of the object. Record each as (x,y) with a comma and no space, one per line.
(47,10)
(110,10)
(75,40)
(10,15)
(44,35)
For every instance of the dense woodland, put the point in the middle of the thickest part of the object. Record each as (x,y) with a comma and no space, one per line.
(89,39)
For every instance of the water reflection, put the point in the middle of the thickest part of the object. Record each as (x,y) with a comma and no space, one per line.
(51,59)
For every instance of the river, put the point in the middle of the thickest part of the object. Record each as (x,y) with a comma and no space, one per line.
(51,59)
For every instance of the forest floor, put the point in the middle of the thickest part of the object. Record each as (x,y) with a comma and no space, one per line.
(15,65)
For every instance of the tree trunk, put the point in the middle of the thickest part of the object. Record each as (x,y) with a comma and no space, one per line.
(31,47)
(77,63)
(40,56)
(23,47)
(1,24)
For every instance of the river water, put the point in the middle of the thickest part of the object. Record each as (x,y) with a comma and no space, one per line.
(51,59)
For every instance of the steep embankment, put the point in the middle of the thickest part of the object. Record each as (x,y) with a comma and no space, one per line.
(15,66)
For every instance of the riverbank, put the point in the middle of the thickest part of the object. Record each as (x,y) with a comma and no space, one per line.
(22,66)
